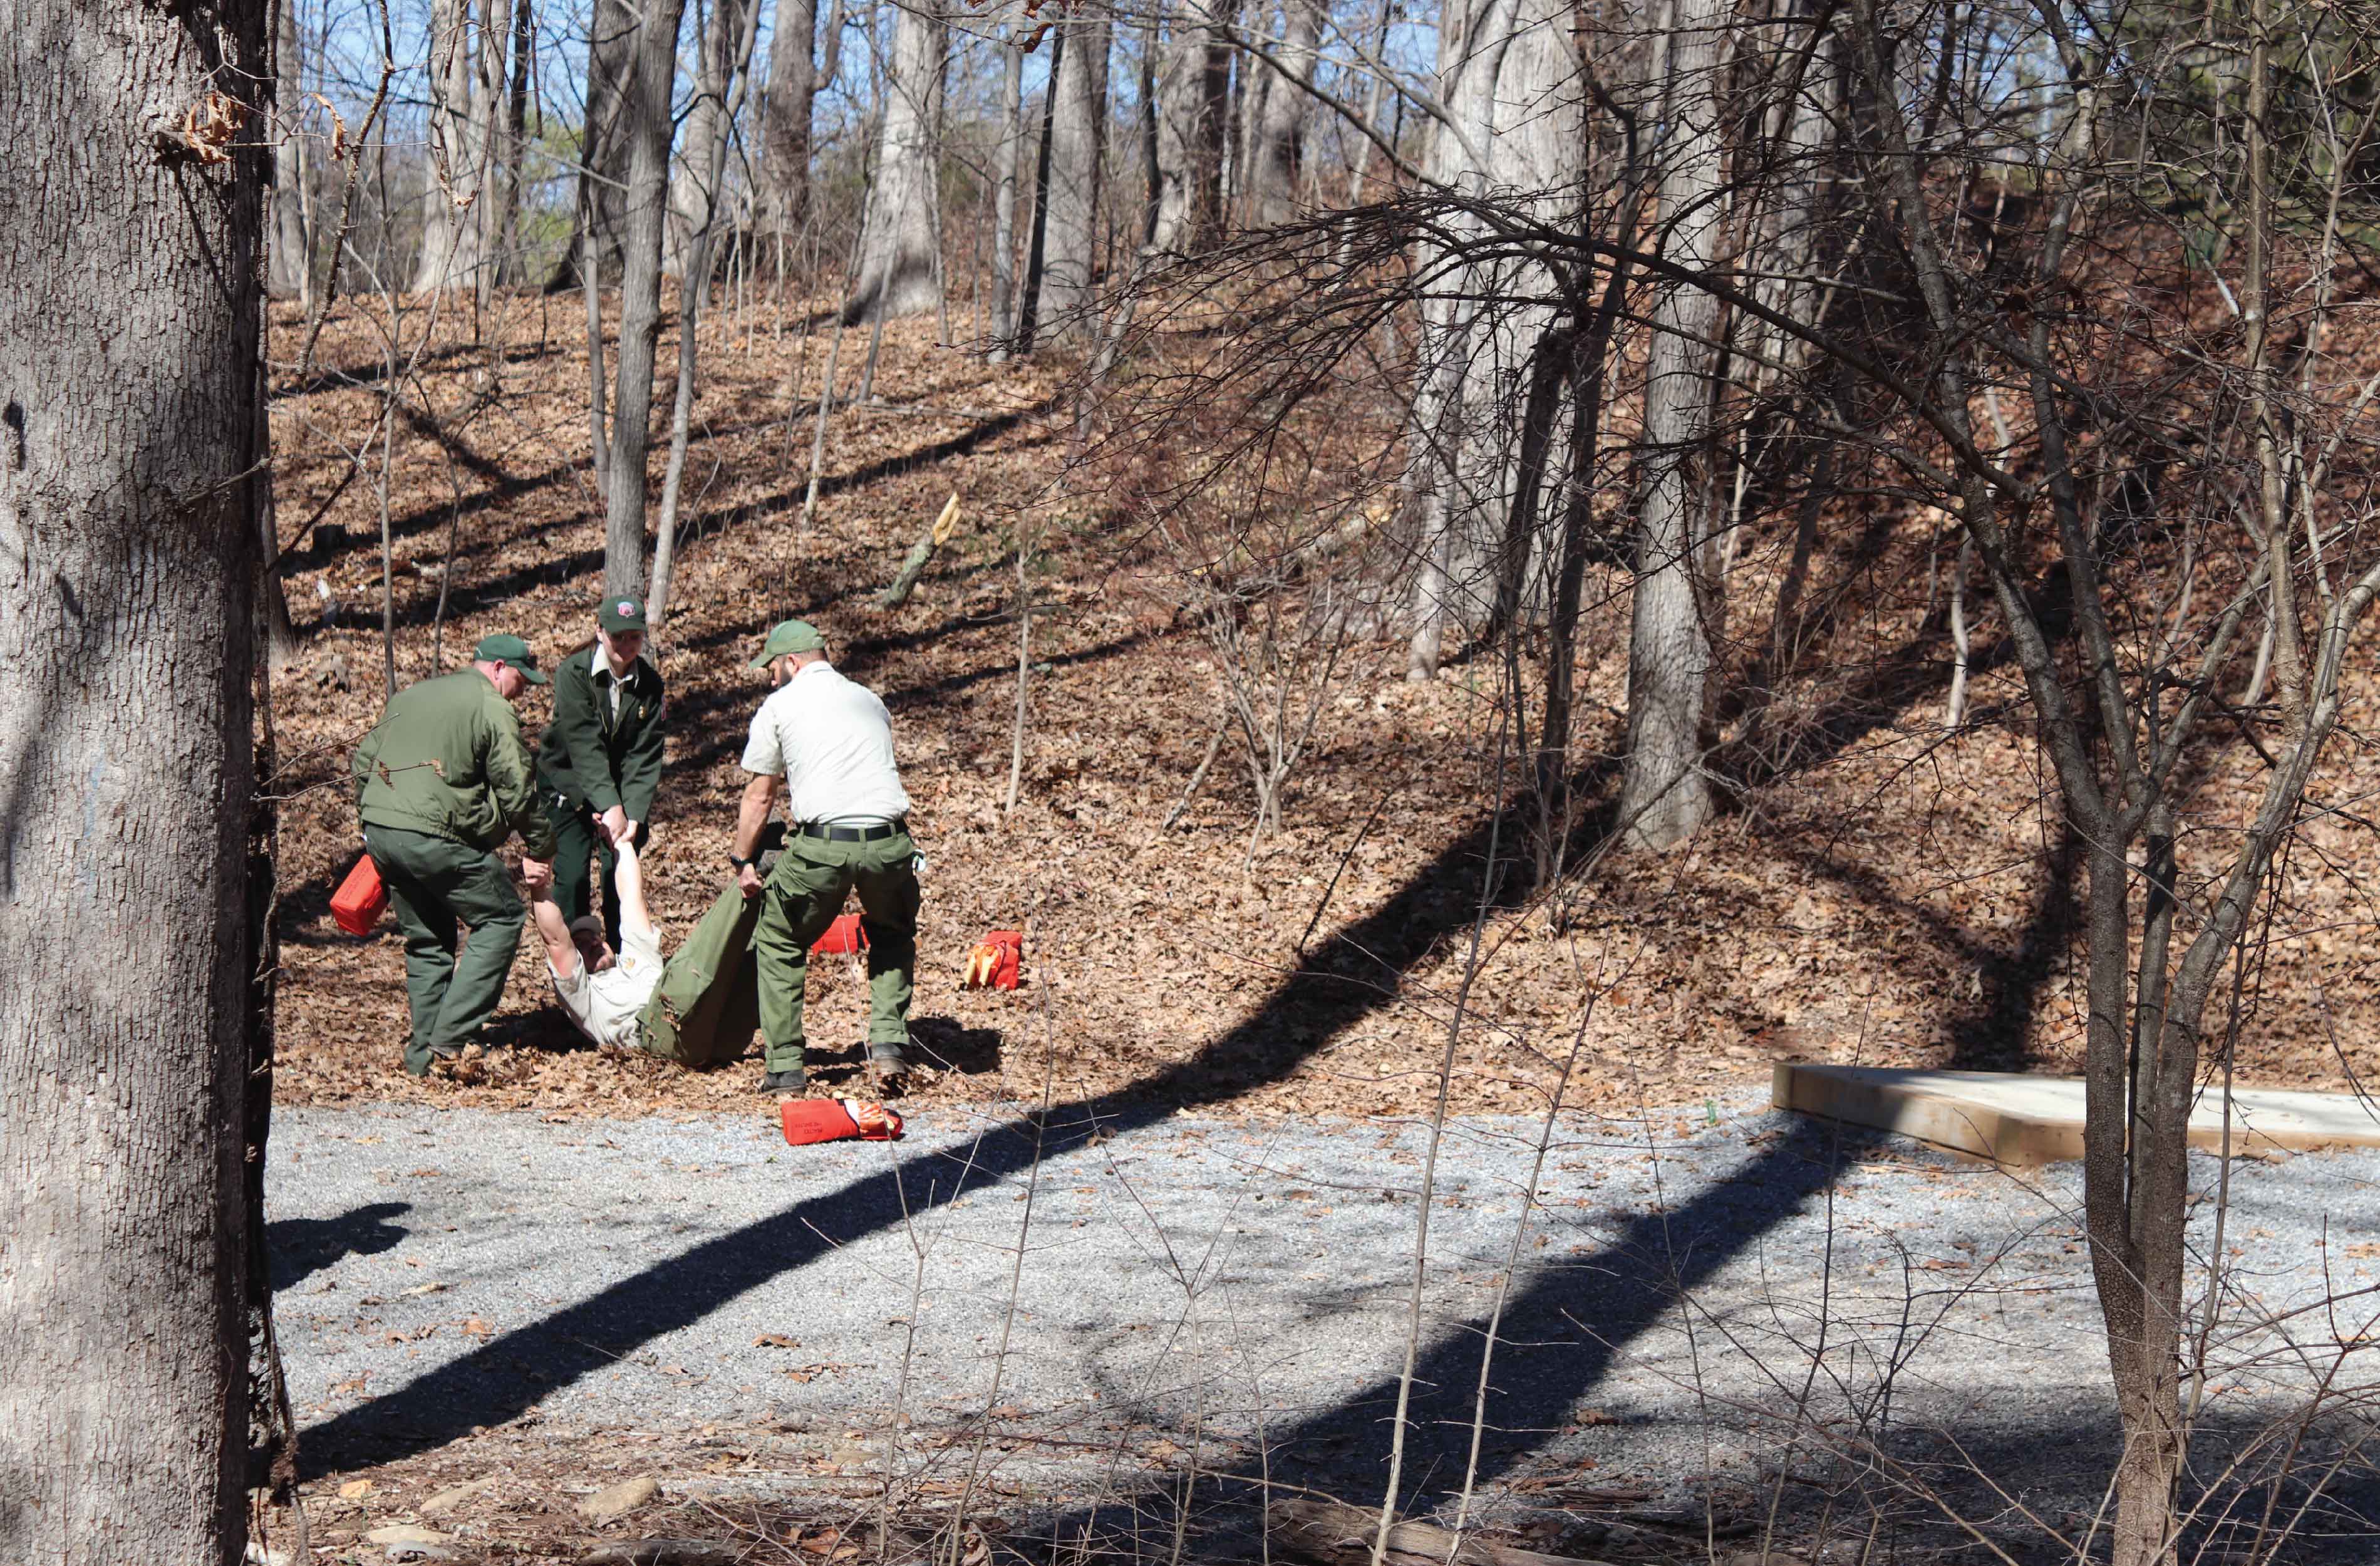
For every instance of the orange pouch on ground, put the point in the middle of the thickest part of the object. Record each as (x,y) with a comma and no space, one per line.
(360,900)
(997,962)
(843,935)
(837,1120)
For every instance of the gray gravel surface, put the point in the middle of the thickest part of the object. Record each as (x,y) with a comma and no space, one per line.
(1240,1292)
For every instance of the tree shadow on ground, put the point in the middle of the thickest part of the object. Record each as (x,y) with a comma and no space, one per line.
(303,1246)
(947,1044)
(1344,980)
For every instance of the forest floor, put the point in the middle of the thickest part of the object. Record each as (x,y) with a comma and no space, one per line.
(1886,893)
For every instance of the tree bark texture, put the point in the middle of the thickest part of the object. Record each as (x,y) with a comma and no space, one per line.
(1280,151)
(795,79)
(292,268)
(468,76)
(708,127)
(1011,162)
(600,214)
(644,128)
(1509,79)
(1194,76)
(1070,260)
(1664,796)
(900,271)
(128,557)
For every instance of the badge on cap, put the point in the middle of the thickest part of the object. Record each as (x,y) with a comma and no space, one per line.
(626,607)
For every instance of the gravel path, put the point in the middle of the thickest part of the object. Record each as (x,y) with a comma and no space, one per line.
(1238,1290)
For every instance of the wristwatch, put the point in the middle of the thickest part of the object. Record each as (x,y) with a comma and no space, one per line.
(735,863)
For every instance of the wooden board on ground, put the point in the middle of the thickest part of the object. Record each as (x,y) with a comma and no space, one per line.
(2025,1120)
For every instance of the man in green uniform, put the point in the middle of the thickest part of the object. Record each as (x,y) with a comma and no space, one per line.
(441,781)
(828,744)
(601,760)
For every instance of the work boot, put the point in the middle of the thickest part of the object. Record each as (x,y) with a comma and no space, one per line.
(786,1084)
(889,1068)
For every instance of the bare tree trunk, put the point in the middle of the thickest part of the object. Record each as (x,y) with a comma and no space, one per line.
(292,257)
(693,294)
(1193,87)
(1280,128)
(709,125)
(796,76)
(1012,154)
(466,73)
(645,126)
(1072,242)
(130,531)
(516,142)
(1664,796)
(1028,310)
(900,246)
(605,148)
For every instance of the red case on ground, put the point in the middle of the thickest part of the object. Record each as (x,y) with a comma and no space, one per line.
(837,1120)
(360,900)
(997,961)
(843,935)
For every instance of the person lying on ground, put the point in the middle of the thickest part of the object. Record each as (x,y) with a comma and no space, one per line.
(605,992)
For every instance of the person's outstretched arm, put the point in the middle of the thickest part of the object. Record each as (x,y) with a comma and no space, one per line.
(551,927)
(628,877)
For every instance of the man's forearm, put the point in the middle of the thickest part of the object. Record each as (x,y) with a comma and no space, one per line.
(753,815)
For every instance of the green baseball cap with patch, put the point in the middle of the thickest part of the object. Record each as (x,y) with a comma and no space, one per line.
(625,612)
(788,635)
(511,650)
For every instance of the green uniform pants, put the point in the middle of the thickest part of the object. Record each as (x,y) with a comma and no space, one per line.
(435,883)
(801,897)
(576,840)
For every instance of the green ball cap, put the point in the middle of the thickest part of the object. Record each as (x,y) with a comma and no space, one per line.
(511,650)
(790,635)
(625,612)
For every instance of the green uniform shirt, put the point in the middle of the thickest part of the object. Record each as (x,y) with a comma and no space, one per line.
(594,757)
(447,759)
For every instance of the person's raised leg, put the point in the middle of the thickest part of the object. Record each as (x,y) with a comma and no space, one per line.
(887,879)
(482,893)
(575,837)
(799,901)
(428,926)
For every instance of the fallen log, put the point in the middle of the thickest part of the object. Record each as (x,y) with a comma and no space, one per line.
(1343,1536)
(663,1552)
(920,553)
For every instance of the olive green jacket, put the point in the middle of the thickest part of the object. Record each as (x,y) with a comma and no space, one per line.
(447,759)
(592,758)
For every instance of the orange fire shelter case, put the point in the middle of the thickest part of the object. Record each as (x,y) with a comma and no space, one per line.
(362,899)
(838,1120)
(997,961)
(843,935)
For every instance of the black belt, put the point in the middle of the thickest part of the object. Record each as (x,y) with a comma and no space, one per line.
(854,834)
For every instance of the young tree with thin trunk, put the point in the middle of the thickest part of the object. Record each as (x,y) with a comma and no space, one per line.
(645,129)
(1279,156)
(129,558)
(1665,796)
(292,254)
(1011,159)
(900,243)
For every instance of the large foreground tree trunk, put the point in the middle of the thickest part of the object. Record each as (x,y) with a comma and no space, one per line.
(1664,796)
(900,264)
(128,537)
(644,128)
